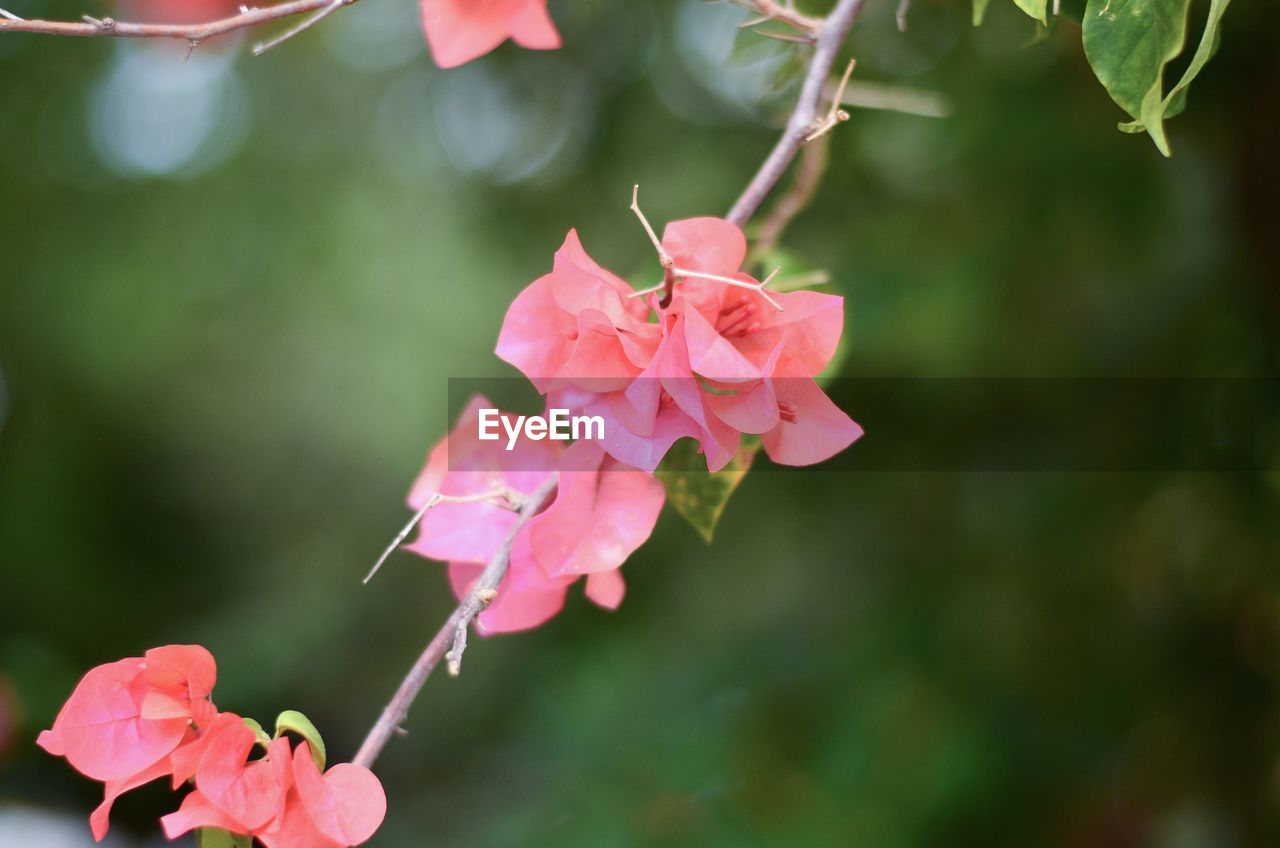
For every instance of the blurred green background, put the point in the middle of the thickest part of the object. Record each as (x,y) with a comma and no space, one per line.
(232,291)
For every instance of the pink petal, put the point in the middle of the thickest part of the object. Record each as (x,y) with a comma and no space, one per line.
(810,326)
(579,283)
(711,354)
(602,513)
(644,452)
(100,729)
(250,793)
(458,31)
(346,803)
(606,588)
(535,335)
(525,599)
(183,669)
(821,429)
(710,245)
(99,819)
(197,811)
(599,362)
(293,828)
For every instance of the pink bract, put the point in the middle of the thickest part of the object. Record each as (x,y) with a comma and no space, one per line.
(601,513)
(718,360)
(458,31)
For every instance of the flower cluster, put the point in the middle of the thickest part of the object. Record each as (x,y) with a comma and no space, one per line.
(602,511)
(458,31)
(714,356)
(141,719)
(724,356)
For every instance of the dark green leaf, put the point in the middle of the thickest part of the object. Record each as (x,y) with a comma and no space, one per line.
(292,721)
(696,493)
(1128,44)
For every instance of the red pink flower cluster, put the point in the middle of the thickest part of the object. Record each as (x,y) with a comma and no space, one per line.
(716,355)
(601,512)
(723,357)
(140,719)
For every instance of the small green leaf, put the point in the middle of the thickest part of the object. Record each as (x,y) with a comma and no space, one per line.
(260,735)
(1210,39)
(216,837)
(1038,9)
(695,492)
(979,11)
(1129,43)
(292,721)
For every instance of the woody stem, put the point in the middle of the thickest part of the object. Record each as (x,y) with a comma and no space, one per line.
(834,31)
(480,596)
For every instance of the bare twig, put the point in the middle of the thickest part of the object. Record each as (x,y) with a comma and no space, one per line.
(304,24)
(835,115)
(830,38)
(783,13)
(90,27)
(503,495)
(813,164)
(10,15)
(447,642)
(904,6)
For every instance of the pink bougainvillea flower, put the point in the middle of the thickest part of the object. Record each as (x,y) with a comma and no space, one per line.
(601,513)
(250,793)
(346,803)
(578,326)
(197,811)
(461,30)
(722,358)
(462,465)
(99,819)
(125,717)
(306,808)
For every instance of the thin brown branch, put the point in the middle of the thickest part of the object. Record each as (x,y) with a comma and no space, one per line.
(192,33)
(450,641)
(813,164)
(904,7)
(784,13)
(831,36)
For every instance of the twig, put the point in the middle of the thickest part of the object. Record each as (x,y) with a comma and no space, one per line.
(511,498)
(306,23)
(10,15)
(783,13)
(830,37)
(904,6)
(193,34)
(836,115)
(813,164)
(447,640)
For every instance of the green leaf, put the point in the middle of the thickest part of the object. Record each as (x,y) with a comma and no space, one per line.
(695,492)
(1210,40)
(292,721)
(216,837)
(260,735)
(979,11)
(1038,9)
(1128,43)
